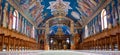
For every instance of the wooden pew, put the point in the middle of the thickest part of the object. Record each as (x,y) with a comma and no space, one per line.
(109,39)
(1,41)
(14,41)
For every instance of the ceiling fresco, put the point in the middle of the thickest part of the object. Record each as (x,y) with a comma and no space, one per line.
(59,5)
(41,10)
(59,27)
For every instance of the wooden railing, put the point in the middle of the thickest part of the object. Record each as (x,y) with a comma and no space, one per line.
(109,39)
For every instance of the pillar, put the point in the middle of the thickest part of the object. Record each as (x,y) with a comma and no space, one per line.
(72,32)
(72,27)
(46,43)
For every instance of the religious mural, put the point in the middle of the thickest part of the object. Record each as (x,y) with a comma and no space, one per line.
(41,10)
(59,5)
(106,19)
(75,14)
(0,13)
(87,7)
(33,8)
(109,17)
(5,15)
(55,28)
(114,12)
(119,11)
(11,19)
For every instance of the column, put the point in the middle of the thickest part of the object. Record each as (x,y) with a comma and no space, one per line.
(72,32)
(47,28)
(46,43)
(72,27)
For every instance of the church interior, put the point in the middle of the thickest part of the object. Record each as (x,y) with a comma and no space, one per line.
(59,25)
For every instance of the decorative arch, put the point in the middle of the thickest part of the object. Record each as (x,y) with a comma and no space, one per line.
(48,24)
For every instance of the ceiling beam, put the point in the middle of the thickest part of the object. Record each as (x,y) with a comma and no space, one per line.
(88,19)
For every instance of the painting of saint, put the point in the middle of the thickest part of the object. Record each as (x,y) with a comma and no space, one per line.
(10,18)
(32,7)
(38,15)
(99,23)
(25,27)
(108,17)
(5,15)
(0,13)
(23,24)
(114,14)
(92,4)
(85,8)
(20,24)
(119,11)
(39,20)
(24,4)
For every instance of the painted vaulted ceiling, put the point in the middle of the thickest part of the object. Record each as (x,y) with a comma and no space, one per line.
(41,10)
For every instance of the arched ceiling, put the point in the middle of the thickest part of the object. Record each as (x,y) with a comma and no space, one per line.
(41,10)
(63,28)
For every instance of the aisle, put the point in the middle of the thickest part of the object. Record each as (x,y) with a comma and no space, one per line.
(60,52)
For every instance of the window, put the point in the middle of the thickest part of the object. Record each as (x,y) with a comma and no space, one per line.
(86,31)
(33,32)
(15,17)
(103,19)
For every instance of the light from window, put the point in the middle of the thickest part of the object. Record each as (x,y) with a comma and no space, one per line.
(86,31)
(104,19)
(15,17)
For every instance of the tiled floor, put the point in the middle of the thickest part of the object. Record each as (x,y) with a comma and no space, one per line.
(61,52)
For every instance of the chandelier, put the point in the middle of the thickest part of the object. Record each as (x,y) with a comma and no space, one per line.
(59,32)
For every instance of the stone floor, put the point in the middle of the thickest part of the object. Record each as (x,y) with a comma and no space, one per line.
(61,52)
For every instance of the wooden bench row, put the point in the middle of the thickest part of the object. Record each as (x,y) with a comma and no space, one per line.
(14,41)
(109,39)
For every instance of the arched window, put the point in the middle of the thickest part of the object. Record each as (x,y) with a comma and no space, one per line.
(86,31)
(33,32)
(15,19)
(103,19)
